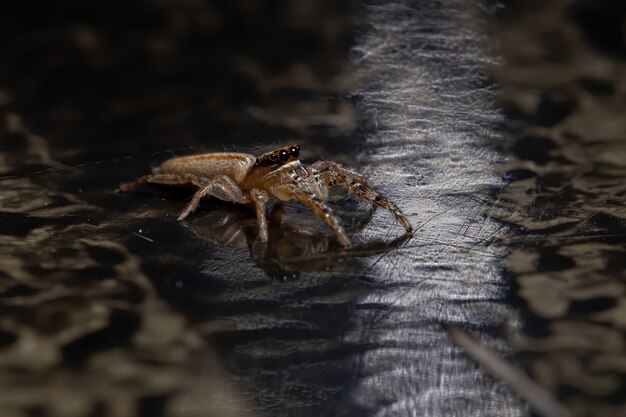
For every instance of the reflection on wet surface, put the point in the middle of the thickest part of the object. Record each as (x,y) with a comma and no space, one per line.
(111,307)
(292,247)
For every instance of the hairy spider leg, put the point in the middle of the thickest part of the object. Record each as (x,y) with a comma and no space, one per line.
(260,198)
(333,174)
(170,179)
(222,187)
(318,207)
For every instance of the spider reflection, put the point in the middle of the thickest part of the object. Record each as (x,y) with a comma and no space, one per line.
(291,248)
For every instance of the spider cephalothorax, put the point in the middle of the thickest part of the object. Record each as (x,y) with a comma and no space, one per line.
(279,156)
(246,179)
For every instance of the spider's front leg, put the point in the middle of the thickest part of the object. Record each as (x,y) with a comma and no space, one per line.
(317,206)
(332,174)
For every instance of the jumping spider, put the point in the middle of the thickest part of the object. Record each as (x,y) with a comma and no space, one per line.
(246,179)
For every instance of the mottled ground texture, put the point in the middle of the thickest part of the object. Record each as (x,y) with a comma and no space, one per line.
(564,89)
(109,307)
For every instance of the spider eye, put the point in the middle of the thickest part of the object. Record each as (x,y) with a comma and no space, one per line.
(283,155)
(273,157)
(295,152)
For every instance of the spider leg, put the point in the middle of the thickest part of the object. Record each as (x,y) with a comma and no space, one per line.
(260,198)
(222,187)
(318,207)
(332,174)
(171,179)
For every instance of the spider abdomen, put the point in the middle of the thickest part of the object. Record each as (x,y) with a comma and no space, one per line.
(233,165)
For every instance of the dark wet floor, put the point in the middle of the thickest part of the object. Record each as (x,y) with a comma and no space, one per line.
(563,90)
(111,307)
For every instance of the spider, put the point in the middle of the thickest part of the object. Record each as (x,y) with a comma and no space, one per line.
(245,179)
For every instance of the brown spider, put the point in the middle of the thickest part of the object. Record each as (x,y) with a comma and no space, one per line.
(245,179)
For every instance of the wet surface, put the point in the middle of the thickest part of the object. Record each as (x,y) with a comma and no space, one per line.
(564,90)
(111,307)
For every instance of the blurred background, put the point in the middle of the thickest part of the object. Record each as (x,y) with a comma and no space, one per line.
(110,307)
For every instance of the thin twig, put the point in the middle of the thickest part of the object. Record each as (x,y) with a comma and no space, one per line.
(537,397)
